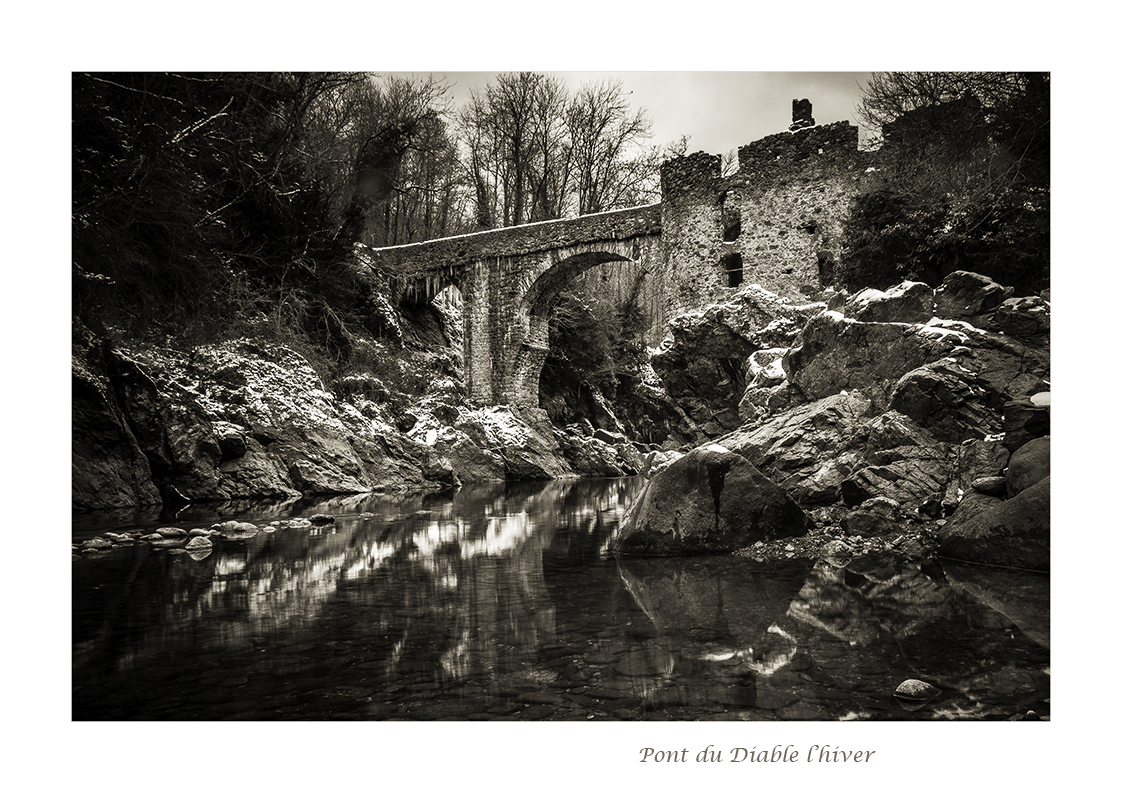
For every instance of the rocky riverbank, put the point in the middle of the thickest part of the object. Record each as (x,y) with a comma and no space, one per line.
(915,416)
(246,419)
(907,420)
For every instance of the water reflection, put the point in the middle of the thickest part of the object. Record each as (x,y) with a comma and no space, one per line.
(494,602)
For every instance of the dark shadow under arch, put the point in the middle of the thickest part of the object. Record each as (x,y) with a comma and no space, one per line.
(521,387)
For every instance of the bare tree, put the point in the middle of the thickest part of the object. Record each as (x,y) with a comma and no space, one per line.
(385,145)
(605,134)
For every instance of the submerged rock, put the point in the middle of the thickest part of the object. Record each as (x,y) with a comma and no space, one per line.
(914,694)
(198,544)
(236,530)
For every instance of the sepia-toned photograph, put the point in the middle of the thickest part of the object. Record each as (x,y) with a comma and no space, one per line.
(562,396)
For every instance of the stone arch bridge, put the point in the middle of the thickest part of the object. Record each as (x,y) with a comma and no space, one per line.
(510,280)
(776,222)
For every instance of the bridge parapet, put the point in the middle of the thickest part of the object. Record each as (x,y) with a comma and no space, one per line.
(446,253)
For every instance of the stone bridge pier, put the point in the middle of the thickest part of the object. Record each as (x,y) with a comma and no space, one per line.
(507,307)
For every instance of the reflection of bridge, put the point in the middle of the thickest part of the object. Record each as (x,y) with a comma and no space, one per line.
(687,250)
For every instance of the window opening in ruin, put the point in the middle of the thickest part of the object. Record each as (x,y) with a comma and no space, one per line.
(734,269)
(730,220)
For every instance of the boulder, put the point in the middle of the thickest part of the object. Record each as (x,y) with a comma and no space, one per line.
(255,474)
(971,462)
(970,297)
(1024,420)
(631,457)
(471,463)
(592,456)
(108,467)
(392,461)
(1029,465)
(867,523)
(891,430)
(765,367)
(524,442)
(834,354)
(908,475)
(968,505)
(1012,533)
(440,471)
(949,400)
(321,461)
(709,501)
(610,438)
(759,402)
(1026,318)
(989,485)
(810,450)
(702,362)
(909,301)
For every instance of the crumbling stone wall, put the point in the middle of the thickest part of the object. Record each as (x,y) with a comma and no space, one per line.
(793,192)
(776,222)
(691,231)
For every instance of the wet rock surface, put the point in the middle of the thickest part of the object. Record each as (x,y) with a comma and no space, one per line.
(882,402)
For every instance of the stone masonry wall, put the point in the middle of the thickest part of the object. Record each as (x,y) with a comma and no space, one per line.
(691,231)
(792,194)
(777,222)
(507,303)
(450,253)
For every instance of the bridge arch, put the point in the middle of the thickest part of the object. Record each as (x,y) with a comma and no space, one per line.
(521,380)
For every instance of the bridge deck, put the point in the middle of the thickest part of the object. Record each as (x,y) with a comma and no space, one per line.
(439,254)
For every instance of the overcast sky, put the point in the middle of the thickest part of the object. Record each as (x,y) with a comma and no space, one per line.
(719,111)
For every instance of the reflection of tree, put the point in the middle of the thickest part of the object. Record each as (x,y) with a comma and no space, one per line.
(445,587)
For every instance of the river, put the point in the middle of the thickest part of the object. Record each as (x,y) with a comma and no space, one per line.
(497,603)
